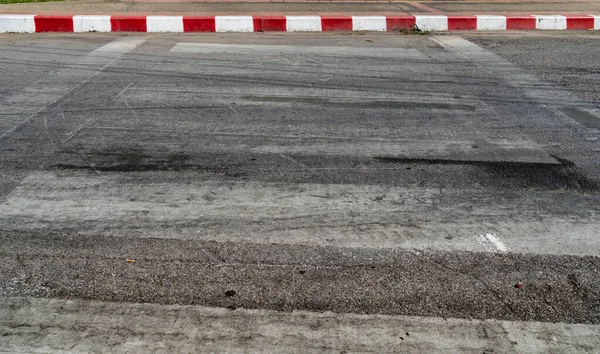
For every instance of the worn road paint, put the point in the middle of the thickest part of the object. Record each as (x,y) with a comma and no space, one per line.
(105,55)
(496,242)
(491,243)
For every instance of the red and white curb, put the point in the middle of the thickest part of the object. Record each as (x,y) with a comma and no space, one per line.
(88,23)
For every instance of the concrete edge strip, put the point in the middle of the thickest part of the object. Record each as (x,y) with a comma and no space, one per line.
(175,24)
(67,325)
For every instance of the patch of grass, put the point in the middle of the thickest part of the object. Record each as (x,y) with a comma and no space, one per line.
(414,30)
(24,1)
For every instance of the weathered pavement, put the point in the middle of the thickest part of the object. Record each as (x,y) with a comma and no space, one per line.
(77,325)
(379,175)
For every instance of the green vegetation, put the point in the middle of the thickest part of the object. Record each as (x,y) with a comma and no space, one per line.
(414,30)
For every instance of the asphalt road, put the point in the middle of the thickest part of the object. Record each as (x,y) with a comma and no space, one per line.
(444,177)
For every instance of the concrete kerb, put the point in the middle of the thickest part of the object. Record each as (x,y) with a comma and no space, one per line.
(29,23)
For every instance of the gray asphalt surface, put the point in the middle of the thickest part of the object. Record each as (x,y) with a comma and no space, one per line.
(294,277)
(372,174)
(569,64)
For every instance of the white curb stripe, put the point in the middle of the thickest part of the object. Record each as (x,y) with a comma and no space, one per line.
(234,24)
(555,22)
(432,23)
(491,23)
(369,23)
(91,23)
(164,23)
(17,23)
(102,23)
(303,24)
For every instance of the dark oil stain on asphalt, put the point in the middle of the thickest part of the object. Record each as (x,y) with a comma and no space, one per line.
(548,176)
(564,173)
(134,162)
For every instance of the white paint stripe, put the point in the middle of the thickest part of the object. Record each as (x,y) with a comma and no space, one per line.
(491,23)
(303,23)
(91,23)
(596,22)
(554,22)
(17,23)
(107,54)
(120,46)
(369,23)
(432,23)
(164,23)
(484,243)
(253,49)
(496,242)
(234,24)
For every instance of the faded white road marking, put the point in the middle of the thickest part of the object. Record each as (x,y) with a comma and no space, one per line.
(120,46)
(491,243)
(254,49)
(515,76)
(496,242)
(344,215)
(111,52)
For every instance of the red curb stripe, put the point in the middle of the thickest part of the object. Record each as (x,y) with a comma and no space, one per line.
(399,23)
(462,23)
(520,23)
(584,23)
(336,23)
(50,23)
(256,24)
(65,23)
(199,24)
(272,24)
(128,23)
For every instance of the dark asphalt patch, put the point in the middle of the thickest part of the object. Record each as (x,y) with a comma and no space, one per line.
(133,162)
(582,117)
(360,104)
(504,164)
(369,281)
(399,171)
(568,62)
(562,173)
